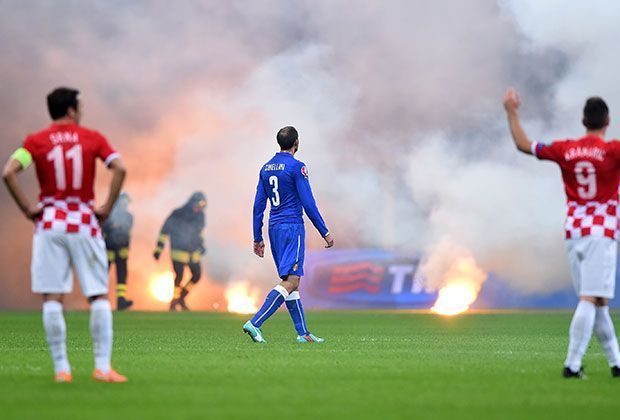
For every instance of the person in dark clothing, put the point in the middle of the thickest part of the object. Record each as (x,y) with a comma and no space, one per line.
(184,228)
(117,233)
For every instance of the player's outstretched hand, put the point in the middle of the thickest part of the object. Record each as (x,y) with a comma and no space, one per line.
(511,100)
(329,240)
(33,212)
(259,248)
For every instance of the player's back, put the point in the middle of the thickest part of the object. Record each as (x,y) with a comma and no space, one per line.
(590,167)
(591,174)
(65,159)
(278,179)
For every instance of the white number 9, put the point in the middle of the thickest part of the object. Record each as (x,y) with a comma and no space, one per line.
(585,173)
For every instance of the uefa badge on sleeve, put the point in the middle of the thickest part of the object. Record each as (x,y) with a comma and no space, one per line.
(304,171)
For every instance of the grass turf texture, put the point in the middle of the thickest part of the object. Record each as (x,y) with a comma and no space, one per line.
(373,365)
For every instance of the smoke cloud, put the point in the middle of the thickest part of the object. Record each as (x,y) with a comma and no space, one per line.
(398,105)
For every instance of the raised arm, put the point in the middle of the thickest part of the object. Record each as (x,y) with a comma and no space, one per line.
(309,204)
(511,105)
(19,161)
(260,204)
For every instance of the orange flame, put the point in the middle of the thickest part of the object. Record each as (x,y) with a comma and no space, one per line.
(462,285)
(240,299)
(161,286)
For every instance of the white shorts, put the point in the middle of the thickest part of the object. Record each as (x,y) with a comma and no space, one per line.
(55,253)
(593,265)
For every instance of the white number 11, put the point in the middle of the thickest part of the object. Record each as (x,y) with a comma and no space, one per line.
(58,158)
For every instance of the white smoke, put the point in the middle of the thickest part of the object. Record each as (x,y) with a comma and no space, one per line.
(398,105)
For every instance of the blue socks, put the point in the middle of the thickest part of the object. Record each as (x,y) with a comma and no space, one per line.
(274,300)
(293,303)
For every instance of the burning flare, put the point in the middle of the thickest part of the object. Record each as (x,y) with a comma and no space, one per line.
(240,299)
(161,286)
(462,285)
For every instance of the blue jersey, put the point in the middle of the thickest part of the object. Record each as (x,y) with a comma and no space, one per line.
(283,181)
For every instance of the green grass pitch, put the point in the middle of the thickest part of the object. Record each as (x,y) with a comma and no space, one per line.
(373,365)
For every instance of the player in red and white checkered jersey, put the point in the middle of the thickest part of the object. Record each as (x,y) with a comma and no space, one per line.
(67,234)
(591,172)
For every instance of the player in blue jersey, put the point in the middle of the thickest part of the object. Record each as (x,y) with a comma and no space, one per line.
(283,181)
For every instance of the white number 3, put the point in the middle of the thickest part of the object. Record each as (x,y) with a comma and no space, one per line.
(585,173)
(275,200)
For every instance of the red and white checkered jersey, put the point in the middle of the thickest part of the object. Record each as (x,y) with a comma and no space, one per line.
(591,172)
(65,158)
(71,215)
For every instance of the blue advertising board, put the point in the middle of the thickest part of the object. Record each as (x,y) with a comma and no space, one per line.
(378,279)
(367,278)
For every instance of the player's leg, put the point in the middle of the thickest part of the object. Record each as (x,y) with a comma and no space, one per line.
(580,332)
(606,334)
(120,261)
(179,269)
(293,302)
(279,240)
(88,257)
(196,271)
(604,260)
(584,257)
(52,278)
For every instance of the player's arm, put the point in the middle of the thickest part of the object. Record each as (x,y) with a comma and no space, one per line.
(511,105)
(19,161)
(116,184)
(309,204)
(113,162)
(260,204)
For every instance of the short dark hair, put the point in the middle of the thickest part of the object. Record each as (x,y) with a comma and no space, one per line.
(595,113)
(60,100)
(286,137)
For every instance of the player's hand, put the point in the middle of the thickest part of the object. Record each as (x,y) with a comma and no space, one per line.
(329,240)
(259,248)
(103,213)
(511,100)
(156,255)
(33,212)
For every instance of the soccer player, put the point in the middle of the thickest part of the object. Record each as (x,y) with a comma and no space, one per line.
(67,233)
(283,181)
(117,235)
(184,227)
(591,170)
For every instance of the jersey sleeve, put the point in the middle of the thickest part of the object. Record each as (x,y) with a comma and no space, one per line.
(105,151)
(302,184)
(614,146)
(552,151)
(260,203)
(164,233)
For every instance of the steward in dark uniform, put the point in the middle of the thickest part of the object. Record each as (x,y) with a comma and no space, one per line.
(117,233)
(184,230)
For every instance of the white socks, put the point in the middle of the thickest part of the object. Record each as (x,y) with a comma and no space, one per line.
(56,334)
(580,333)
(101,331)
(606,334)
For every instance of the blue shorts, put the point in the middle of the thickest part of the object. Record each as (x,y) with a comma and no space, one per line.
(288,248)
